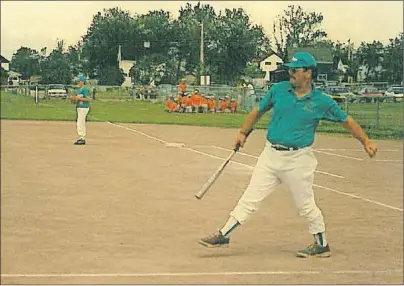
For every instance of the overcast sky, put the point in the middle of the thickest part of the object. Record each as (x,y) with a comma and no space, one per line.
(38,24)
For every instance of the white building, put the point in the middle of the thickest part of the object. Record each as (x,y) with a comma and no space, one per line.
(5,63)
(342,67)
(268,63)
(125,65)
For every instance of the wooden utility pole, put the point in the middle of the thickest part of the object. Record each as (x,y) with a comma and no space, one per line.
(202,55)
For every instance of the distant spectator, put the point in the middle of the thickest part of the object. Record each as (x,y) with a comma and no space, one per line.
(204,104)
(233,105)
(188,104)
(174,106)
(182,88)
(168,103)
(211,104)
(250,97)
(196,101)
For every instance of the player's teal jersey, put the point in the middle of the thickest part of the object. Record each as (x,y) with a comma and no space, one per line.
(294,120)
(83,91)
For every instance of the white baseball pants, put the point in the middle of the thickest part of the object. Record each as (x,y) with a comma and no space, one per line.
(81,122)
(293,168)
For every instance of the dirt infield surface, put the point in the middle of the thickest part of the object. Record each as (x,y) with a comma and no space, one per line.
(121,210)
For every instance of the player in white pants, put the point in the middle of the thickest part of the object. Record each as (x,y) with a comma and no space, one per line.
(82,108)
(288,157)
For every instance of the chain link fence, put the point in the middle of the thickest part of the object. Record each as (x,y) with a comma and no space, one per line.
(382,116)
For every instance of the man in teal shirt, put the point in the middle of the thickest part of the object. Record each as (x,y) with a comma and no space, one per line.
(82,100)
(288,156)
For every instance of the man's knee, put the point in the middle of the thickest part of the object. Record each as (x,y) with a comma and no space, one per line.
(309,211)
(243,210)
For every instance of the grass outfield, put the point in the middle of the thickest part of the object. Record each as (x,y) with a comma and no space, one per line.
(24,107)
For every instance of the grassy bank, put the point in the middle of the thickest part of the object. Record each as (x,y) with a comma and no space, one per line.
(389,125)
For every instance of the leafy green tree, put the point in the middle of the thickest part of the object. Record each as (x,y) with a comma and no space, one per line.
(56,67)
(26,62)
(73,56)
(3,76)
(393,60)
(239,42)
(371,55)
(230,41)
(108,30)
(156,28)
(111,75)
(188,34)
(297,28)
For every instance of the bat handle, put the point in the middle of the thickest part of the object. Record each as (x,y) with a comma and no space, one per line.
(246,135)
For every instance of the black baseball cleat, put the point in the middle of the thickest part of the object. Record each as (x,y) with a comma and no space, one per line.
(80,142)
(215,240)
(316,250)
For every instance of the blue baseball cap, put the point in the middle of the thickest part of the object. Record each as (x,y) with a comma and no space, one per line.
(302,60)
(81,78)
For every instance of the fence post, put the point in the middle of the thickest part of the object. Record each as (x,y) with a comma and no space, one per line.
(377,112)
(36,94)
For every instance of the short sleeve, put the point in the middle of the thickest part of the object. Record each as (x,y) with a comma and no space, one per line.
(335,113)
(266,102)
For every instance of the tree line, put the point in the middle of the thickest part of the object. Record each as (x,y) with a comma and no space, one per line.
(157,41)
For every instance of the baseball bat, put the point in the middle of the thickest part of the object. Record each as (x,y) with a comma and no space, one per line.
(213,178)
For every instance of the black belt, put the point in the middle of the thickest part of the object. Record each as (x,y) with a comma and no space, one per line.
(283,148)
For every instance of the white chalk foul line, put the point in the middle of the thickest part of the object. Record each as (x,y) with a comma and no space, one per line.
(354,158)
(255,157)
(138,132)
(358,197)
(217,157)
(337,155)
(251,167)
(241,153)
(185,274)
(355,150)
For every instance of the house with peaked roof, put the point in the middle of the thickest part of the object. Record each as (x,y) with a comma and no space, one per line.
(269,63)
(125,65)
(5,63)
(324,59)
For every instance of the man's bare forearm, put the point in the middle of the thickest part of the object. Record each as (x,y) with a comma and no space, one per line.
(355,130)
(252,118)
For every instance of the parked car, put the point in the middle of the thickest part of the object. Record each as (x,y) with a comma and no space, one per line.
(339,93)
(13,81)
(396,92)
(370,94)
(56,91)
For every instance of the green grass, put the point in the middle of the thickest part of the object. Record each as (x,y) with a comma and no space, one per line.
(24,107)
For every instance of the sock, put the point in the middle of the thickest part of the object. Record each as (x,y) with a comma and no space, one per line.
(230,225)
(320,238)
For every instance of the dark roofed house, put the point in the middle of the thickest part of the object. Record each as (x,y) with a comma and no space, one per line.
(4,63)
(324,59)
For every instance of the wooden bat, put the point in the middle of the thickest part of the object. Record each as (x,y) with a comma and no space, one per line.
(213,178)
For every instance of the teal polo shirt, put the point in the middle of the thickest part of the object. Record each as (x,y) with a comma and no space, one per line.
(83,91)
(294,120)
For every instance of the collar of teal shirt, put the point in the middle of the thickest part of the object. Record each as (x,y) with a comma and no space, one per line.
(306,96)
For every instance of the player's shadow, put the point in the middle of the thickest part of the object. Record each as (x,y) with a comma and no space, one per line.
(233,251)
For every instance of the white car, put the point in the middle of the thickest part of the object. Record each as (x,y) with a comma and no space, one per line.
(396,92)
(56,91)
